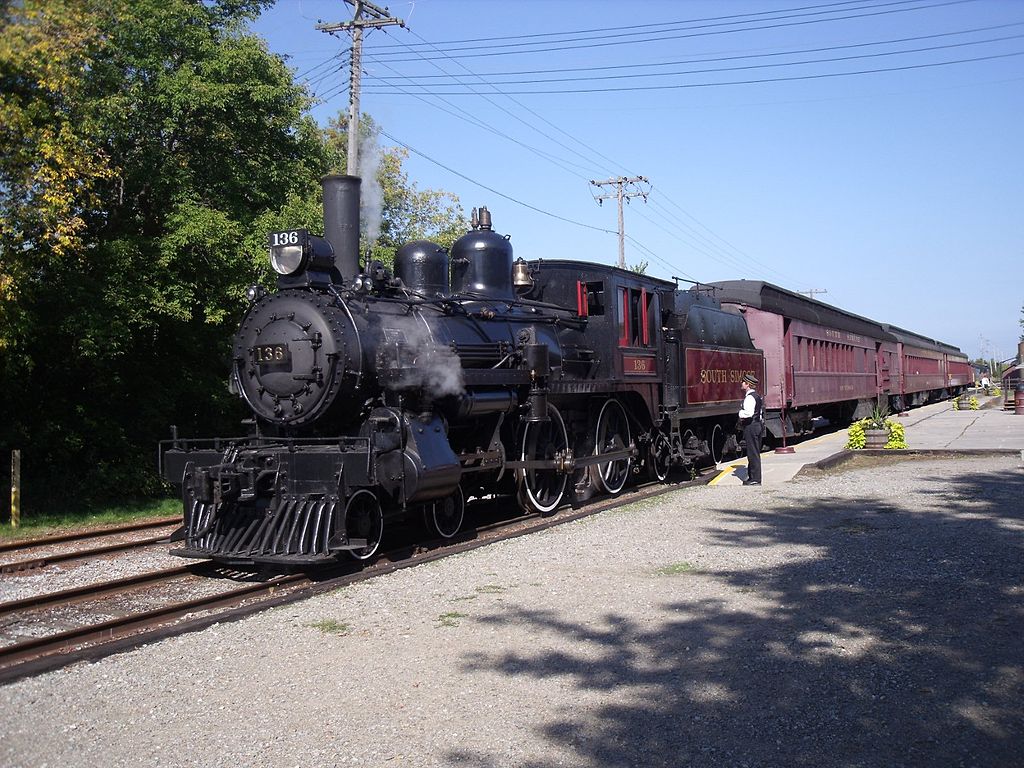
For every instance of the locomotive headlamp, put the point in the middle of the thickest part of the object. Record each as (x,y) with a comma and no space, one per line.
(254,293)
(288,251)
(296,251)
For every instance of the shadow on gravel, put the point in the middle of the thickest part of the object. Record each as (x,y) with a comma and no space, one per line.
(902,646)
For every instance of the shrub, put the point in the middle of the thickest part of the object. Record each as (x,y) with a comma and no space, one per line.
(897,436)
(856,439)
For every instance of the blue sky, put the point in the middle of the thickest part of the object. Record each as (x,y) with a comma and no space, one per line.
(900,190)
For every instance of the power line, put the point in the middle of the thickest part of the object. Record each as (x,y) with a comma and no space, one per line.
(710,59)
(495,50)
(619,29)
(589,148)
(564,164)
(740,260)
(491,189)
(329,60)
(671,267)
(513,115)
(775,65)
(756,81)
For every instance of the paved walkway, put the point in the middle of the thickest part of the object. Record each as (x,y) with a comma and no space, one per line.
(932,427)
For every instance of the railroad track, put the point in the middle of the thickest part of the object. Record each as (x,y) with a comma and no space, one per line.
(91,533)
(51,556)
(96,639)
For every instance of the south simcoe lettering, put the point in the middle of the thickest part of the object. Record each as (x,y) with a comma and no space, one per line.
(724,375)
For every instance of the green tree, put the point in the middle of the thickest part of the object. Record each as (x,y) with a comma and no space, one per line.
(147,147)
(141,140)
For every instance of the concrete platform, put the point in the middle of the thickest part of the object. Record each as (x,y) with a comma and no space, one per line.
(932,427)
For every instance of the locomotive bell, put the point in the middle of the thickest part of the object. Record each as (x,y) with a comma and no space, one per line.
(482,261)
(522,280)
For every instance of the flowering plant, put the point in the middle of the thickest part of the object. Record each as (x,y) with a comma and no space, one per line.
(878,418)
(856,439)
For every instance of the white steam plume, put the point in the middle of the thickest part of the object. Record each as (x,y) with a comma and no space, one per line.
(372,196)
(437,368)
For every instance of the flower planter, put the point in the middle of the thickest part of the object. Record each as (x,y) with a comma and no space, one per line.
(876,438)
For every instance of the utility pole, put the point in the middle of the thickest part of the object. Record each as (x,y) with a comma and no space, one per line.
(374,17)
(811,292)
(623,189)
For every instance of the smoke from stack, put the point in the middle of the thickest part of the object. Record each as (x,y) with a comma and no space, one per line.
(372,194)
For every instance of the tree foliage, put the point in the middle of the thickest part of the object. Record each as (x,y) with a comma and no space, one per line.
(146,148)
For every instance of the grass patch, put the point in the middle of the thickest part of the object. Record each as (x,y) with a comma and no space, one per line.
(465,597)
(450,619)
(491,589)
(677,569)
(42,524)
(330,626)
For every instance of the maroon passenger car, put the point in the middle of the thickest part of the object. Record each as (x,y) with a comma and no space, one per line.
(824,361)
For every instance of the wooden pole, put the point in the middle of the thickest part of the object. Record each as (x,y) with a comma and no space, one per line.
(15,488)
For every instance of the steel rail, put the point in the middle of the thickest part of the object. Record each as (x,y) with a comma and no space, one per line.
(48,646)
(104,639)
(60,538)
(80,594)
(79,554)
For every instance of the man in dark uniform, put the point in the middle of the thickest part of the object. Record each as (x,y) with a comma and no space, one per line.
(752,421)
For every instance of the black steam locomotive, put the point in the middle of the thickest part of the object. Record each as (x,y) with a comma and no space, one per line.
(376,396)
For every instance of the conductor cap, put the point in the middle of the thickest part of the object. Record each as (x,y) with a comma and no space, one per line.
(750,378)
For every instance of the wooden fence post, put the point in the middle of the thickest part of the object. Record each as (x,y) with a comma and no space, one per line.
(15,488)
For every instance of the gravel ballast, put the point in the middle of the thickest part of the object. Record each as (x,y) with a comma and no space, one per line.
(868,618)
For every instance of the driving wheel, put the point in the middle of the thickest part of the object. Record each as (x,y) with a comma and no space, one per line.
(612,435)
(542,489)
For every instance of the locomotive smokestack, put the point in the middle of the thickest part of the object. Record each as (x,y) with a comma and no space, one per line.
(1020,353)
(341,221)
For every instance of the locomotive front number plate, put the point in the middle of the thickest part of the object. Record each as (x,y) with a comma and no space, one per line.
(271,354)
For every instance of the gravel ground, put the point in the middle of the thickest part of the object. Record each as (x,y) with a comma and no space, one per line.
(869,618)
(61,576)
